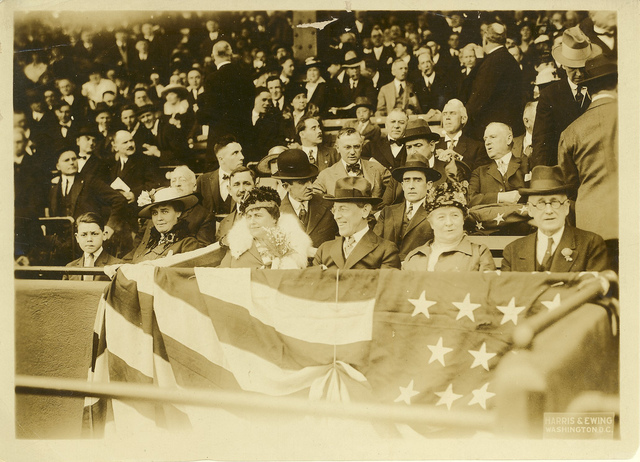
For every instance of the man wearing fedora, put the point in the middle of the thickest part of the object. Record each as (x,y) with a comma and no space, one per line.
(563,101)
(354,85)
(588,155)
(555,246)
(418,139)
(397,93)
(406,223)
(357,247)
(364,110)
(89,164)
(297,174)
(349,145)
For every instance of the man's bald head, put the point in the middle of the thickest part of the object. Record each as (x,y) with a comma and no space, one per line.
(221,51)
(496,34)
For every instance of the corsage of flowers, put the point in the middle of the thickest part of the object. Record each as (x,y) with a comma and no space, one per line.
(566,253)
(146,198)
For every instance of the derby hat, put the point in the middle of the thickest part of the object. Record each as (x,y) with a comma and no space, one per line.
(363,101)
(294,89)
(293,164)
(575,48)
(545,180)
(165,196)
(599,66)
(418,129)
(178,89)
(263,168)
(416,163)
(88,130)
(102,107)
(144,109)
(351,59)
(353,189)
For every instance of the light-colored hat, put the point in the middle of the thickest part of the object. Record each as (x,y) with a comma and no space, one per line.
(164,196)
(574,49)
(546,75)
(180,90)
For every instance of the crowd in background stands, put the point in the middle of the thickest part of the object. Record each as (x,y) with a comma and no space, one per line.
(120,103)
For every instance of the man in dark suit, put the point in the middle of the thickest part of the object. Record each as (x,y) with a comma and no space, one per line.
(213,186)
(354,86)
(388,151)
(78,105)
(383,55)
(357,247)
(89,236)
(556,246)
(588,155)
(432,88)
(225,106)
(406,223)
(499,181)
(297,174)
(119,52)
(309,132)
(59,135)
(89,164)
(454,118)
(563,101)
(496,91)
(266,127)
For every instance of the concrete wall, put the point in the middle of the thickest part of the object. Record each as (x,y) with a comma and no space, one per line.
(53,326)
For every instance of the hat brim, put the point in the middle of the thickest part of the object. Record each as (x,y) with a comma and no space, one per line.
(430,174)
(556,52)
(596,77)
(543,192)
(352,64)
(182,92)
(312,172)
(368,106)
(263,166)
(366,200)
(188,202)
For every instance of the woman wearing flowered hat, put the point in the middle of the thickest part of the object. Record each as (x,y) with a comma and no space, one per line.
(263,238)
(450,249)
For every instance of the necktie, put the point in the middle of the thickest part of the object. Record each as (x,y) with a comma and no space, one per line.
(312,157)
(392,142)
(349,244)
(546,260)
(451,144)
(410,211)
(502,167)
(401,91)
(225,177)
(89,262)
(353,84)
(579,96)
(304,216)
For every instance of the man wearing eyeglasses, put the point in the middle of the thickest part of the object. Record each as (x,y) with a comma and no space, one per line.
(556,246)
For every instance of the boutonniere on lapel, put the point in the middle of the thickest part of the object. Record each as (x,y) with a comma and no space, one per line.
(566,253)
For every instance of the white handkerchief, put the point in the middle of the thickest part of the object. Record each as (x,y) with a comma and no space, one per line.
(527,177)
(120,185)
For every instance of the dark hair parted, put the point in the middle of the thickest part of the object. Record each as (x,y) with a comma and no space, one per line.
(224,141)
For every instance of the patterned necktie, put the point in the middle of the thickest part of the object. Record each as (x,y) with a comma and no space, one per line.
(410,212)
(401,91)
(89,262)
(546,260)
(349,244)
(304,215)
(312,157)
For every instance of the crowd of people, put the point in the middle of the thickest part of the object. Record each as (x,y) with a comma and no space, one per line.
(173,133)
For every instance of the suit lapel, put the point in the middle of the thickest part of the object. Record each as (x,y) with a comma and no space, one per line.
(397,214)
(336,252)
(492,170)
(253,251)
(316,212)
(559,263)
(512,168)
(76,188)
(362,249)
(418,217)
(527,254)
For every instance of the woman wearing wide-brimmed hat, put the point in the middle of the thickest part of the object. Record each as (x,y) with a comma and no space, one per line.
(450,249)
(169,235)
(178,120)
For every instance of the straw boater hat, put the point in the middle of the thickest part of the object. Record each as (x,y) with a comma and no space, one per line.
(545,180)
(312,61)
(353,189)
(165,196)
(447,194)
(575,48)
(599,66)
(418,129)
(416,162)
(293,164)
(178,89)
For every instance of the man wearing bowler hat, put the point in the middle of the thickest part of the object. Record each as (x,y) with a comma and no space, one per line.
(406,223)
(297,174)
(563,101)
(89,164)
(588,155)
(555,246)
(357,247)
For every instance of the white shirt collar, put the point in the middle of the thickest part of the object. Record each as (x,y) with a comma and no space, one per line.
(504,159)
(224,63)
(527,139)
(344,164)
(429,78)
(572,85)
(541,246)
(297,205)
(496,48)
(420,203)
(455,137)
(397,84)
(96,254)
(254,116)
(358,235)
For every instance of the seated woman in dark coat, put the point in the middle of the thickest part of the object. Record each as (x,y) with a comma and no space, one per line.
(263,238)
(169,235)
(450,249)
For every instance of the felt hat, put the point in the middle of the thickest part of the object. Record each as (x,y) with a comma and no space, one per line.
(144,109)
(293,164)
(416,162)
(88,130)
(363,101)
(312,61)
(545,180)
(353,189)
(351,59)
(599,66)
(164,196)
(575,48)
(418,129)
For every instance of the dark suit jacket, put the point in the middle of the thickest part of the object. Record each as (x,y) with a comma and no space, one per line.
(321,226)
(88,196)
(265,134)
(208,186)
(321,97)
(372,252)
(327,156)
(417,233)
(95,167)
(473,152)
(437,95)
(380,150)
(140,173)
(496,94)
(225,226)
(103,260)
(348,96)
(486,181)
(588,253)
(557,108)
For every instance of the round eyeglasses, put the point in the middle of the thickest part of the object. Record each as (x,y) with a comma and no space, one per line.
(555,204)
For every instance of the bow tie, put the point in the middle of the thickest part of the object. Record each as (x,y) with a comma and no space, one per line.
(354,168)
(83,157)
(392,142)
(225,177)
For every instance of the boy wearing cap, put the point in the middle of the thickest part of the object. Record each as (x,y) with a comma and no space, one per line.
(406,223)
(556,246)
(357,247)
(364,110)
